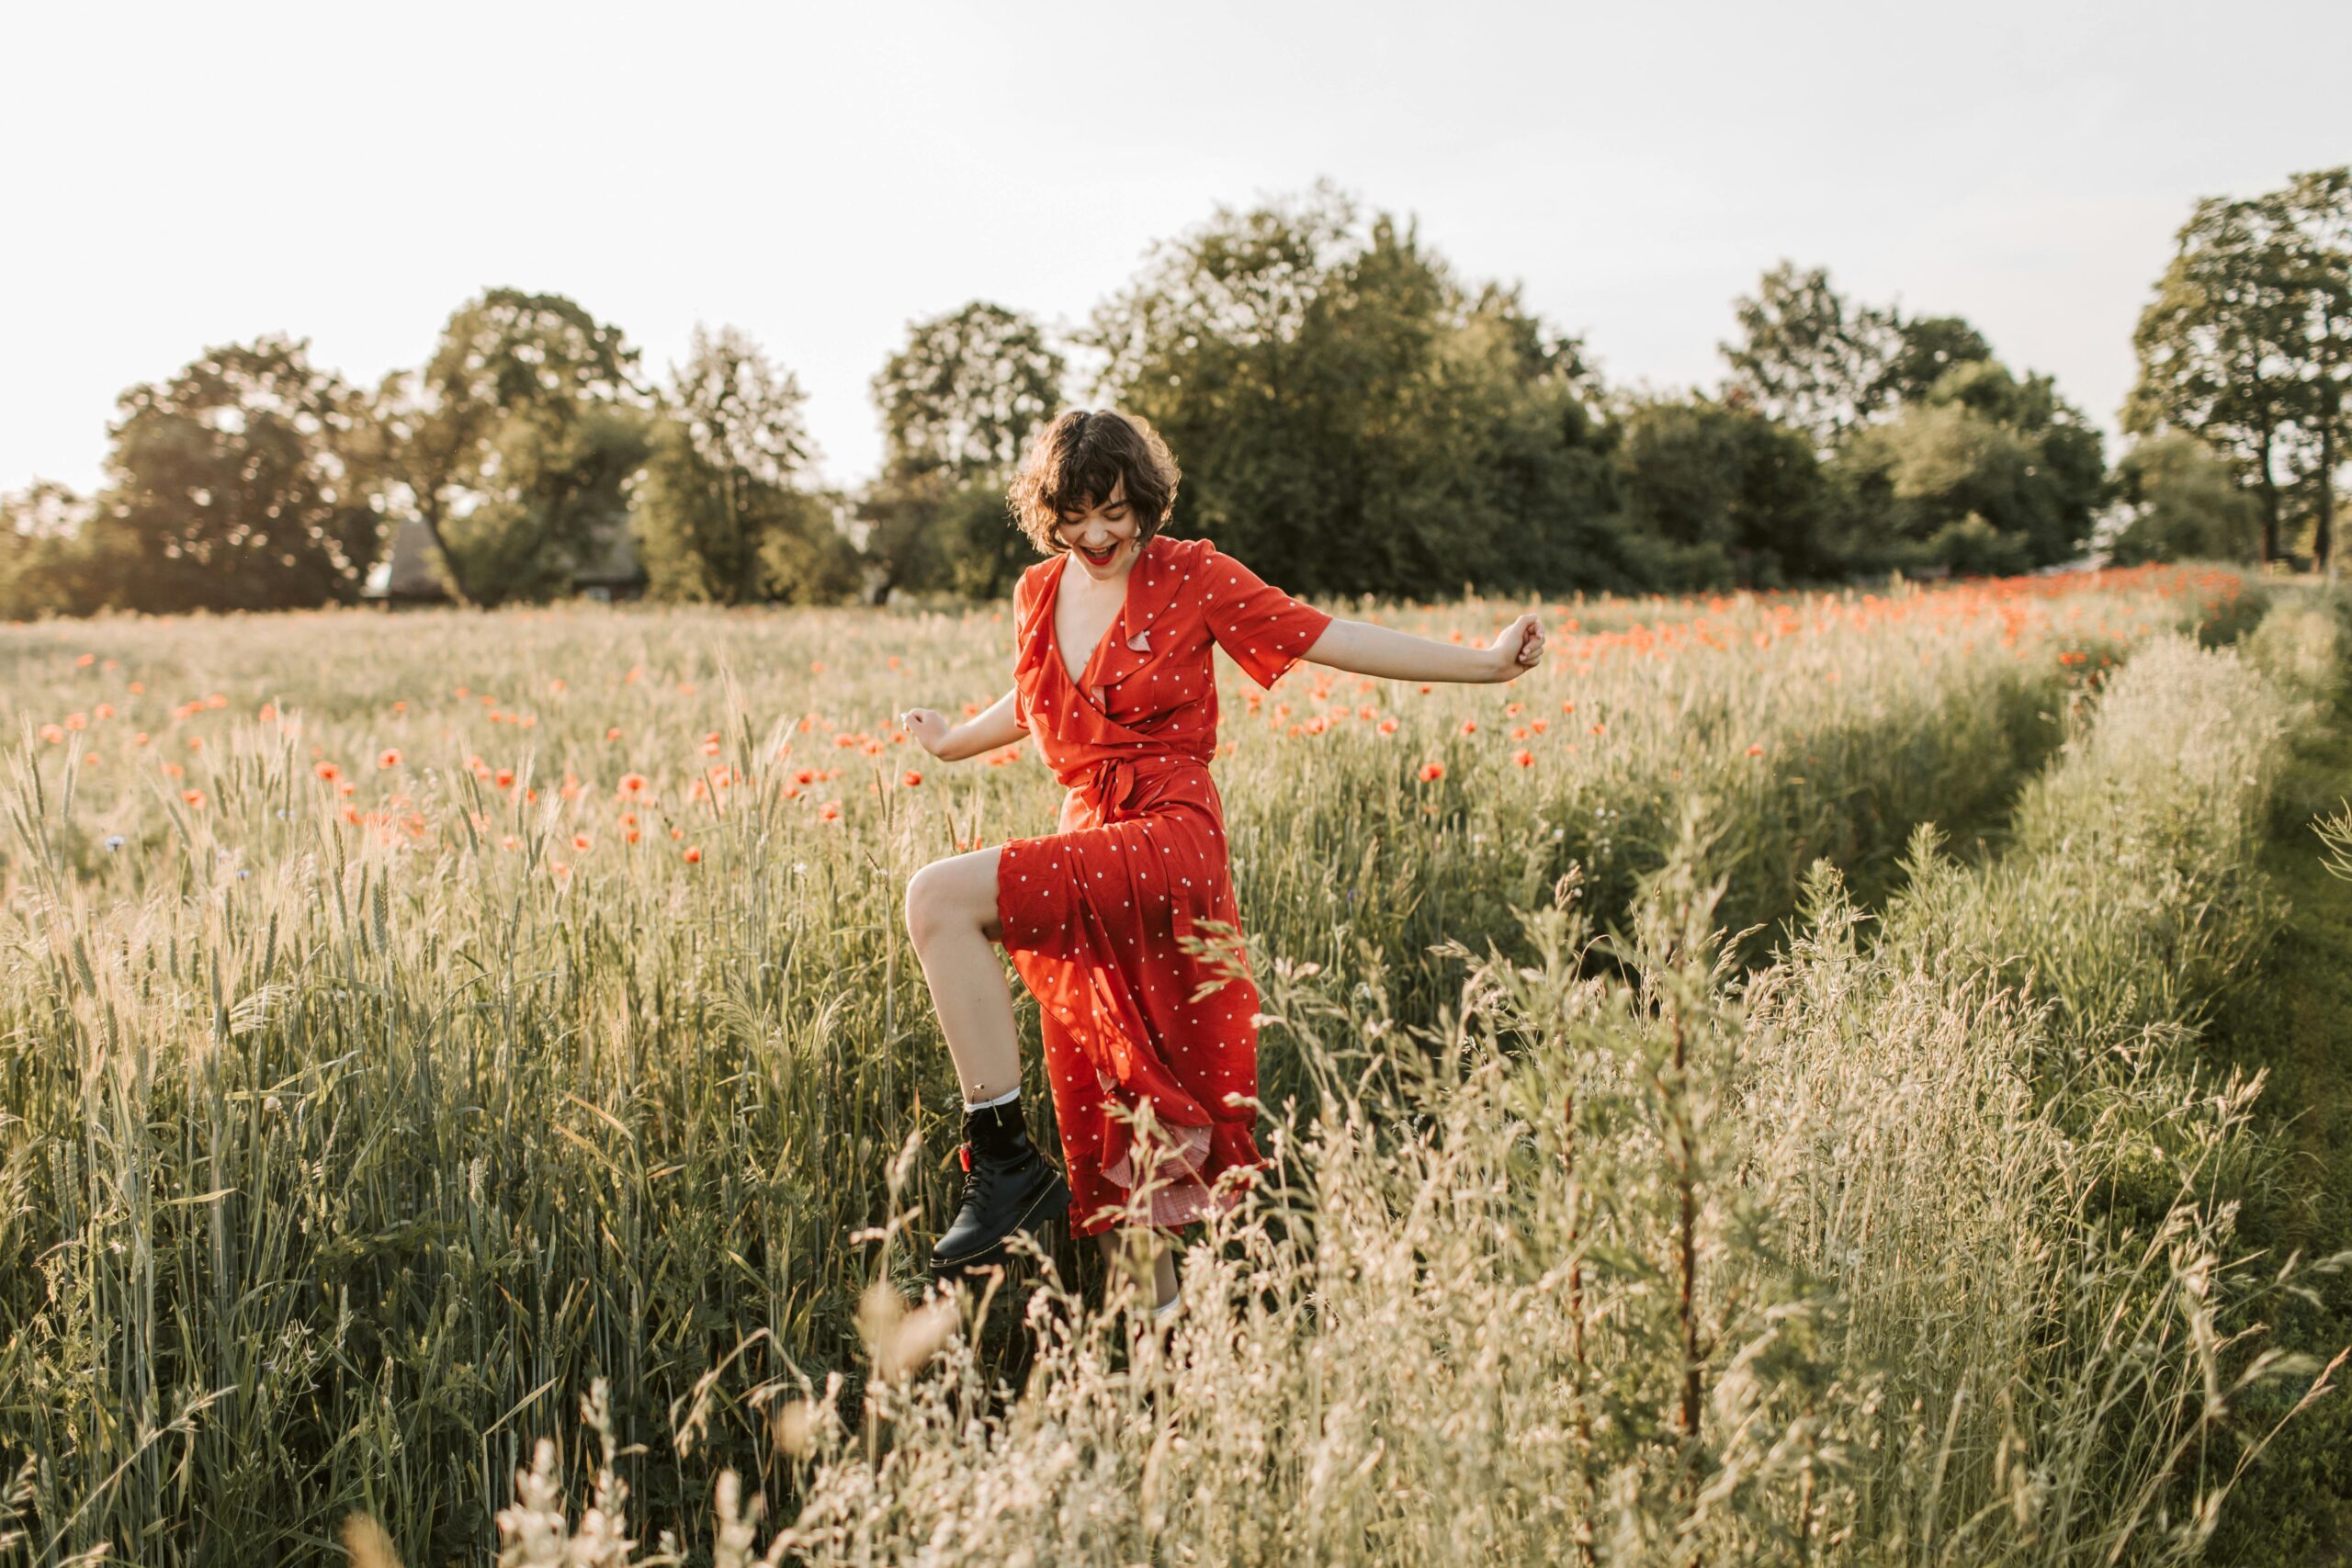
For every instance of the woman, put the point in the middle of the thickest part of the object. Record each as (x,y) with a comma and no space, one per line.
(1154,1084)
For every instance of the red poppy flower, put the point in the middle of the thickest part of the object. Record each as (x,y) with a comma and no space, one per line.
(1432,770)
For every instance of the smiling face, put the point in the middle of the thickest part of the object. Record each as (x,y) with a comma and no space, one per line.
(1104,538)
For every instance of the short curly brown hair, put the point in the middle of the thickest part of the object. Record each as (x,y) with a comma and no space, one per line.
(1074,463)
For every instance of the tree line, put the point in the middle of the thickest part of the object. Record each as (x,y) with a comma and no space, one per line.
(1352,417)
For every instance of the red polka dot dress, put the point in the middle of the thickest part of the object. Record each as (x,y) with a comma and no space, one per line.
(1094,914)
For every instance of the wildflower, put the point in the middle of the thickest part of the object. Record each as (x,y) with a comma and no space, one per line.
(1756,750)
(910,778)
(693,855)
(1523,757)
(77,721)
(85,660)
(115,840)
(1388,726)
(195,742)
(830,811)
(581,841)
(633,785)
(614,733)
(1469,727)
(509,842)
(506,778)
(1431,771)
(52,734)
(390,759)
(193,797)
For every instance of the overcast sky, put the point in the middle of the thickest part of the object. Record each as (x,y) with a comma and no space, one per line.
(172,176)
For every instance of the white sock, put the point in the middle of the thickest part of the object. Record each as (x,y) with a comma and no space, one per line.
(1006,1098)
(1159,1314)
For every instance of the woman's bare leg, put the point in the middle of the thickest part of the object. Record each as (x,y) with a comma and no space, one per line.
(1121,1254)
(951,919)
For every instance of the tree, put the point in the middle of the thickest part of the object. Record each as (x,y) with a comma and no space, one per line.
(53,562)
(1716,495)
(229,489)
(717,481)
(1810,359)
(1988,473)
(2315,211)
(2178,501)
(1351,419)
(1806,358)
(514,441)
(959,403)
(2218,346)
(1924,349)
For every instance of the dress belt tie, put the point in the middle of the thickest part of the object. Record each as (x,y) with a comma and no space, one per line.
(1112,781)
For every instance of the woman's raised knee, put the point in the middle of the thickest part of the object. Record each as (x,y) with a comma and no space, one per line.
(937,902)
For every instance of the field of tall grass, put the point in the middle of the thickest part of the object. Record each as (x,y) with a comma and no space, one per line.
(418,1031)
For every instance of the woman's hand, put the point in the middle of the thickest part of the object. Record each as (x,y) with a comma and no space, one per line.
(1519,650)
(999,724)
(928,726)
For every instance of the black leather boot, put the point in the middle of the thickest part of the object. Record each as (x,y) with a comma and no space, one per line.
(1009,1185)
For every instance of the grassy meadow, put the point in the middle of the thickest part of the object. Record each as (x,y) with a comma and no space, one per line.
(466,1095)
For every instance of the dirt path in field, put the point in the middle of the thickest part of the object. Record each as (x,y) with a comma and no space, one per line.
(2294,1021)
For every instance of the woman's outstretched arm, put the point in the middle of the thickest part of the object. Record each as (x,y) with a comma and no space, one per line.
(997,724)
(1368,649)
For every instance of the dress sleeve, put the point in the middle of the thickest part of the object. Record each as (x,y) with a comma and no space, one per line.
(1263,628)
